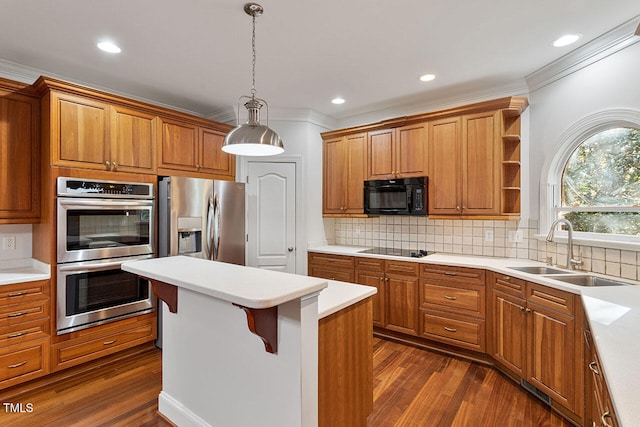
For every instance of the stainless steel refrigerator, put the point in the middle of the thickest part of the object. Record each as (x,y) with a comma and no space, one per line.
(200,218)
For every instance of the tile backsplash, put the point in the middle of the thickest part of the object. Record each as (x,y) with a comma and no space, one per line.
(511,239)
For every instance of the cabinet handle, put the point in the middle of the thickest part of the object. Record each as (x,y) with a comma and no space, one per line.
(109,342)
(464,207)
(381,279)
(198,166)
(386,279)
(18,314)
(450,298)
(506,278)
(450,329)
(458,208)
(107,163)
(449,273)
(17,294)
(17,365)
(16,335)
(604,421)
(521,308)
(593,367)
(114,166)
(527,310)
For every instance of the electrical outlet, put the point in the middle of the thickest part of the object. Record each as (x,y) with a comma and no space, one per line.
(9,243)
(515,236)
(488,235)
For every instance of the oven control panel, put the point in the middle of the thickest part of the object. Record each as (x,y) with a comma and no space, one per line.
(74,187)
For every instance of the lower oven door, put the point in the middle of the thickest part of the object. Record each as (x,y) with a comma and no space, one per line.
(92,293)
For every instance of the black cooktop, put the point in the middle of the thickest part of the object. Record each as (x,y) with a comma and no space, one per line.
(398,252)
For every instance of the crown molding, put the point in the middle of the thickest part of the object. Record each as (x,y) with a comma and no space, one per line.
(276,114)
(441,99)
(607,44)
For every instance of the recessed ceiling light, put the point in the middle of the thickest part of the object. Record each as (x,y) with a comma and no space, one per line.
(338,101)
(566,40)
(109,47)
(427,77)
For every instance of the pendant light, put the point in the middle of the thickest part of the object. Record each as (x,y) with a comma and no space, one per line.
(252,138)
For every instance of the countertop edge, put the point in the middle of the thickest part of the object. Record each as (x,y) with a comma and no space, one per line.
(339,295)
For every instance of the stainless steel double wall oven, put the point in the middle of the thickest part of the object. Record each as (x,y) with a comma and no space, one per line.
(102,224)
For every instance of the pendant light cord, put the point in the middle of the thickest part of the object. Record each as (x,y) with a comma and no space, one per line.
(253,62)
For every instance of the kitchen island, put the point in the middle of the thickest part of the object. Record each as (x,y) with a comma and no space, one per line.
(217,372)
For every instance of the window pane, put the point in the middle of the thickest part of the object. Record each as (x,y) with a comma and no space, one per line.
(604,171)
(627,223)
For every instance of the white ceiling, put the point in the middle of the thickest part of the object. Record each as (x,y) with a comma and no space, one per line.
(196,54)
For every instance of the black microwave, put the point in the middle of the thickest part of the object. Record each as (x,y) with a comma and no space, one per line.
(406,196)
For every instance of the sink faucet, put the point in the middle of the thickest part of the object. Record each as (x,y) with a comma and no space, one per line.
(571,261)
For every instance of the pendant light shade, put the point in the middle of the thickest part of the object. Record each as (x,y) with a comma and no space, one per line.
(252,138)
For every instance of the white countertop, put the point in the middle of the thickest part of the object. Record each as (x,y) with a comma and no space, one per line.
(613,313)
(339,295)
(23,270)
(246,286)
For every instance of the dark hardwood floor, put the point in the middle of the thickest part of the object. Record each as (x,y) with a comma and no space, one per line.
(412,387)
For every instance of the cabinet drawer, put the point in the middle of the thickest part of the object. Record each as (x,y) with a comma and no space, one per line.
(339,261)
(81,350)
(11,335)
(332,274)
(403,268)
(509,285)
(553,299)
(455,330)
(461,298)
(23,362)
(371,264)
(20,313)
(24,292)
(453,274)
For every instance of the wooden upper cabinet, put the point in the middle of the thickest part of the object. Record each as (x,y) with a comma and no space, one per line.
(481,164)
(444,166)
(19,158)
(344,172)
(465,165)
(195,149)
(398,153)
(212,158)
(79,132)
(133,140)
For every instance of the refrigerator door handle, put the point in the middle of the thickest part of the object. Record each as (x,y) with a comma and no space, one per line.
(216,227)
(210,219)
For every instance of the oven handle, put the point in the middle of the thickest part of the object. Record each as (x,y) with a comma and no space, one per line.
(105,202)
(98,266)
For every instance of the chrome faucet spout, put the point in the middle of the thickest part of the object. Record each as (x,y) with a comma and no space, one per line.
(571,261)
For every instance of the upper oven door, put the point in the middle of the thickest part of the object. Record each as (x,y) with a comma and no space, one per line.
(90,229)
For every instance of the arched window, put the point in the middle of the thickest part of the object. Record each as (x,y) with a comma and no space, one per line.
(600,184)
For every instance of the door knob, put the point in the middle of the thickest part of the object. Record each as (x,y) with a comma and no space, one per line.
(290,248)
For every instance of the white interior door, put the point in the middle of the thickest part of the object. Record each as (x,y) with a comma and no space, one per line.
(271,216)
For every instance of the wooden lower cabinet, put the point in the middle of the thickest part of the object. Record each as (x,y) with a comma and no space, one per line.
(332,267)
(24,362)
(89,344)
(598,405)
(536,336)
(370,272)
(402,303)
(345,367)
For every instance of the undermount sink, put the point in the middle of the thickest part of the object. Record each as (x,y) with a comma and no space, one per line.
(540,270)
(586,280)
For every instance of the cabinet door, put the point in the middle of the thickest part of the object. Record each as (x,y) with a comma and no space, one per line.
(178,148)
(333,177)
(79,132)
(552,354)
(355,149)
(508,340)
(411,151)
(19,159)
(133,140)
(380,161)
(402,304)
(375,279)
(481,165)
(444,167)
(212,159)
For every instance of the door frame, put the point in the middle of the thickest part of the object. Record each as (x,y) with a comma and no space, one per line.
(300,206)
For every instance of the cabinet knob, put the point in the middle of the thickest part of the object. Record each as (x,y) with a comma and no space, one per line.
(458,208)
(114,166)
(107,163)
(198,166)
